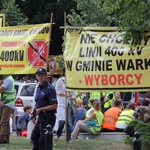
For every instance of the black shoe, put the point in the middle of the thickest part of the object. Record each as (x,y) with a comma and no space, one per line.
(1,142)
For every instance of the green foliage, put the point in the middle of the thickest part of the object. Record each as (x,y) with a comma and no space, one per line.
(39,11)
(13,14)
(60,61)
(90,14)
(130,15)
(144,130)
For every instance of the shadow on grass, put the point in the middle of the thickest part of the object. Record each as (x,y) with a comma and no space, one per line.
(21,143)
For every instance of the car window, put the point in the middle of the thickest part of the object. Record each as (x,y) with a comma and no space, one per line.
(142,94)
(126,96)
(16,89)
(27,90)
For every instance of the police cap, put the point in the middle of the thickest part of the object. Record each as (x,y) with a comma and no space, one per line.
(41,71)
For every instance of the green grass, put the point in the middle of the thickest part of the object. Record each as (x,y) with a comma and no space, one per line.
(21,143)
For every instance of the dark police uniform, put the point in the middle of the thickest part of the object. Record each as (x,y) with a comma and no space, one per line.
(45,95)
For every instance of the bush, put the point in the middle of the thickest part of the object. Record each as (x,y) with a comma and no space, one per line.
(144,130)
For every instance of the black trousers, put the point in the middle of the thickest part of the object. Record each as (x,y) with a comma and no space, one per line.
(37,136)
(38,133)
(61,124)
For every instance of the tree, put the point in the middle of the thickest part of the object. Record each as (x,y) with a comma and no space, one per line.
(39,11)
(89,14)
(13,14)
(130,15)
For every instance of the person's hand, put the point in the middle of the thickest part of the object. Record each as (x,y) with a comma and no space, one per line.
(83,121)
(69,95)
(1,105)
(119,112)
(33,120)
(106,99)
(38,111)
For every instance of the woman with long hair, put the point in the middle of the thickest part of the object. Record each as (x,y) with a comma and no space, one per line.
(92,124)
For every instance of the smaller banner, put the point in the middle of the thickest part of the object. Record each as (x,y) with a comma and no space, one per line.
(55,64)
(2,20)
(23,49)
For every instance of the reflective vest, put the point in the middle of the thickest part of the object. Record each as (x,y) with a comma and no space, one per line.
(99,117)
(109,102)
(125,117)
(8,97)
(93,95)
(110,118)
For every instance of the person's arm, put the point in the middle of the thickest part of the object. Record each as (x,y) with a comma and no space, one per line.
(2,89)
(119,112)
(46,108)
(73,96)
(58,88)
(91,112)
(89,118)
(110,96)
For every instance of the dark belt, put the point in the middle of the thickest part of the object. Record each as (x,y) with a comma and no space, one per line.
(42,114)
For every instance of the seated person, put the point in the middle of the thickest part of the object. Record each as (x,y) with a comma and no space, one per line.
(125,117)
(21,126)
(80,114)
(91,124)
(143,112)
(111,116)
(90,111)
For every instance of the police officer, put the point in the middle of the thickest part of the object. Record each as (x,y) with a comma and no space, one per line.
(45,108)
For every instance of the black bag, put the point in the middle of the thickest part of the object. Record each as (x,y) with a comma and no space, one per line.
(129,130)
(74,109)
(73,106)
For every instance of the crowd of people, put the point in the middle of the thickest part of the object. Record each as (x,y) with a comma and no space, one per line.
(103,112)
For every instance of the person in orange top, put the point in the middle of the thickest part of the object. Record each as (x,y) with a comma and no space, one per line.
(111,116)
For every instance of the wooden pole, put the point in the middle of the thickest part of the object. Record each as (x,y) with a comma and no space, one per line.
(66,119)
(64,18)
(50,29)
(66,100)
